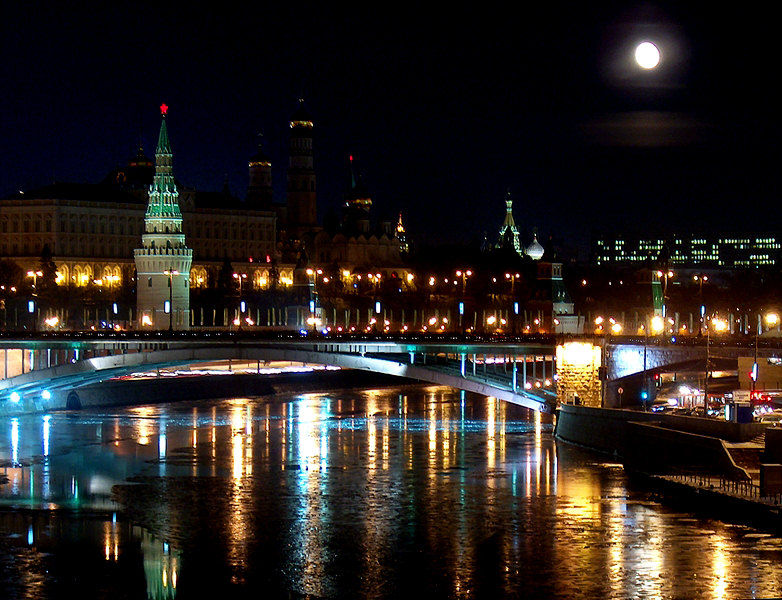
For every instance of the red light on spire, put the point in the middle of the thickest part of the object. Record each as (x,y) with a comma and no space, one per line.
(351,158)
(164,109)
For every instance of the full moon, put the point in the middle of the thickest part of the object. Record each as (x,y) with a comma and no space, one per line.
(647,55)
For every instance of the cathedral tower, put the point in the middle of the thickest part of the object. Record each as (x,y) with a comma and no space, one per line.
(302,199)
(163,261)
(509,235)
(355,211)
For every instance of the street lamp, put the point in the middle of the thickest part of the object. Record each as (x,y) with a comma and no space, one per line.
(31,305)
(656,324)
(171,273)
(35,275)
(700,280)
(512,277)
(599,324)
(464,275)
(313,287)
(719,326)
(239,277)
(665,275)
(376,278)
(771,320)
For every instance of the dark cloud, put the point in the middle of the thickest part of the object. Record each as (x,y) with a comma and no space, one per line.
(650,129)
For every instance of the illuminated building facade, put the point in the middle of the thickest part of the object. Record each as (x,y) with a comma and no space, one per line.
(92,230)
(714,250)
(163,261)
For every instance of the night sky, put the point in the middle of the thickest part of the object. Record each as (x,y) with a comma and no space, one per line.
(444,111)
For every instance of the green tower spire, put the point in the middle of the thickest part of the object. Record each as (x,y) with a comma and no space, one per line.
(163,194)
(163,261)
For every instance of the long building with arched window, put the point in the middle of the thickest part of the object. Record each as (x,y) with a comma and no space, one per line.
(90,230)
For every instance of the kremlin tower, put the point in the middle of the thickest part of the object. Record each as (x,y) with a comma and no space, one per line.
(163,262)
(357,204)
(302,200)
(259,193)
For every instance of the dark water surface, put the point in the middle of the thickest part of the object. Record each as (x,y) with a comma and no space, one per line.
(398,493)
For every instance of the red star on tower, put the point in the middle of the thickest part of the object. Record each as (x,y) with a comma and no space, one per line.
(163,109)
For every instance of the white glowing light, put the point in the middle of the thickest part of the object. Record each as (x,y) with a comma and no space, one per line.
(647,55)
(579,354)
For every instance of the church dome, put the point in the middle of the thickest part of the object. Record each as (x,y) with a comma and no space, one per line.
(535,250)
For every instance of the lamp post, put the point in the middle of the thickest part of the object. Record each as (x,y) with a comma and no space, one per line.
(771,320)
(35,275)
(375,278)
(171,273)
(665,275)
(700,279)
(32,304)
(464,275)
(313,288)
(239,277)
(719,326)
(513,277)
(657,325)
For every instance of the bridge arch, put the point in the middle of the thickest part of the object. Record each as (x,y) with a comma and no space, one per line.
(71,375)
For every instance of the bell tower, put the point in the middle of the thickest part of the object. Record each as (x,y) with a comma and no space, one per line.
(259,193)
(163,261)
(302,198)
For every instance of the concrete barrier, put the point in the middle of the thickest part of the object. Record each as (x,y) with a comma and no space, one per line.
(651,441)
(651,448)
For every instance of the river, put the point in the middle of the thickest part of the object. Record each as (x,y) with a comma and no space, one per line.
(391,493)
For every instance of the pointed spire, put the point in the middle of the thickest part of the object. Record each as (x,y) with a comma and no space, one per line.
(356,194)
(301,118)
(163,145)
(401,235)
(163,192)
(508,229)
(259,159)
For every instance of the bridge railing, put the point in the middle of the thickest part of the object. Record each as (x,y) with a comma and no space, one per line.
(536,387)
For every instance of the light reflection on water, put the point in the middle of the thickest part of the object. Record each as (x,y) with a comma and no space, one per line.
(388,493)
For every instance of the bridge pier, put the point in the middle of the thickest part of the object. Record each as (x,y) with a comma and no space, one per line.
(578,373)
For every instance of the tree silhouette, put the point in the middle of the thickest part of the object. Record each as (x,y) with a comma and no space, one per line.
(47,282)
